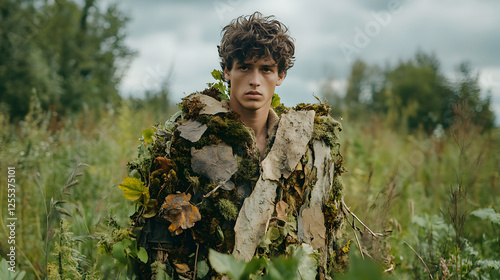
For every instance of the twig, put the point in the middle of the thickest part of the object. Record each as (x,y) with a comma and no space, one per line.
(196,260)
(430,275)
(366,227)
(357,240)
(212,191)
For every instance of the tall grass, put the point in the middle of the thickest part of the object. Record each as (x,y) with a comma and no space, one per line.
(68,169)
(422,189)
(396,182)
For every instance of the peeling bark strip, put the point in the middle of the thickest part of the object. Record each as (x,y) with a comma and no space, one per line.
(253,218)
(192,130)
(294,132)
(324,165)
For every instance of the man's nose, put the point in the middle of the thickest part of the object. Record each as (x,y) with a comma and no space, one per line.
(254,78)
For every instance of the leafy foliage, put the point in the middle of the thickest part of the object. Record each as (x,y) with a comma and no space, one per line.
(299,265)
(69,56)
(5,273)
(224,91)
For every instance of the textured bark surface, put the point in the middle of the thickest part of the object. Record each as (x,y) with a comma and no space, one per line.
(253,219)
(294,132)
(325,169)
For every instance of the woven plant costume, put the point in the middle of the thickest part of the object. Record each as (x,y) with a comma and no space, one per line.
(207,188)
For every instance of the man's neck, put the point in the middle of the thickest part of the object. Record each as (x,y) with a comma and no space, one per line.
(257,121)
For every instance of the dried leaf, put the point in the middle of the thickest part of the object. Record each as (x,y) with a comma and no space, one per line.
(216,162)
(281,207)
(180,212)
(181,268)
(251,224)
(313,223)
(294,132)
(192,130)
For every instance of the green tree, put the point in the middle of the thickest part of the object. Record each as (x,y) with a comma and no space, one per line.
(468,93)
(415,92)
(70,56)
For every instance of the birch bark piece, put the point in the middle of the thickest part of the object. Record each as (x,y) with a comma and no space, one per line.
(212,105)
(294,132)
(192,130)
(325,173)
(216,162)
(252,219)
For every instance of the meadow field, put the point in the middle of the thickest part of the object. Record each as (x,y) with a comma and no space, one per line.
(435,197)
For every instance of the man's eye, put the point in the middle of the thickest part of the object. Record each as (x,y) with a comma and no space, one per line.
(267,70)
(243,67)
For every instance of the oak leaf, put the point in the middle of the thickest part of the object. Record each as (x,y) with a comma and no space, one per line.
(180,212)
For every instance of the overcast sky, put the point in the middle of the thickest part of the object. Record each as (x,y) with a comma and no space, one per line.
(180,38)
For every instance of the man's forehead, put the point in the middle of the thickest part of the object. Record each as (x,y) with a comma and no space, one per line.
(256,60)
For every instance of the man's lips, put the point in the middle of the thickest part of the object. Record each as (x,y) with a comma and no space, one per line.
(253,94)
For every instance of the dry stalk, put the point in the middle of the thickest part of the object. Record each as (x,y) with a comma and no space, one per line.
(196,260)
(356,217)
(430,275)
(356,236)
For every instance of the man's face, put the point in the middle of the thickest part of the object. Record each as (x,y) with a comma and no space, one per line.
(252,84)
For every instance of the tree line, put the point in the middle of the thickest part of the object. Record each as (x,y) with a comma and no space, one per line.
(413,94)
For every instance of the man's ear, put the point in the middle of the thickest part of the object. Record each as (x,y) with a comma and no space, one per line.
(227,74)
(281,77)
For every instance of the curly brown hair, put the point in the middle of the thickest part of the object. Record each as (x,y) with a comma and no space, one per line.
(256,37)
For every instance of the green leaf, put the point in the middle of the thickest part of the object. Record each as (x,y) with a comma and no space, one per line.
(143,255)
(276,101)
(307,264)
(202,269)
(283,269)
(217,75)
(236,270)
(5,273)
(134,190)
(119,251)
(148,135)
(169,125)
(487,214)
(274,233)
(361,269)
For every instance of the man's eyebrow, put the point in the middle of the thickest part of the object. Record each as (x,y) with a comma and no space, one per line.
(263,65)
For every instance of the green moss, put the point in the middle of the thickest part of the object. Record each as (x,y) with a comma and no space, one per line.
(248,169)
(227,209)
(280,110)
(321,109)
(326,129)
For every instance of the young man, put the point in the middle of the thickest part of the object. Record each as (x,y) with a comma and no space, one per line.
(236,177)
(255,53)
